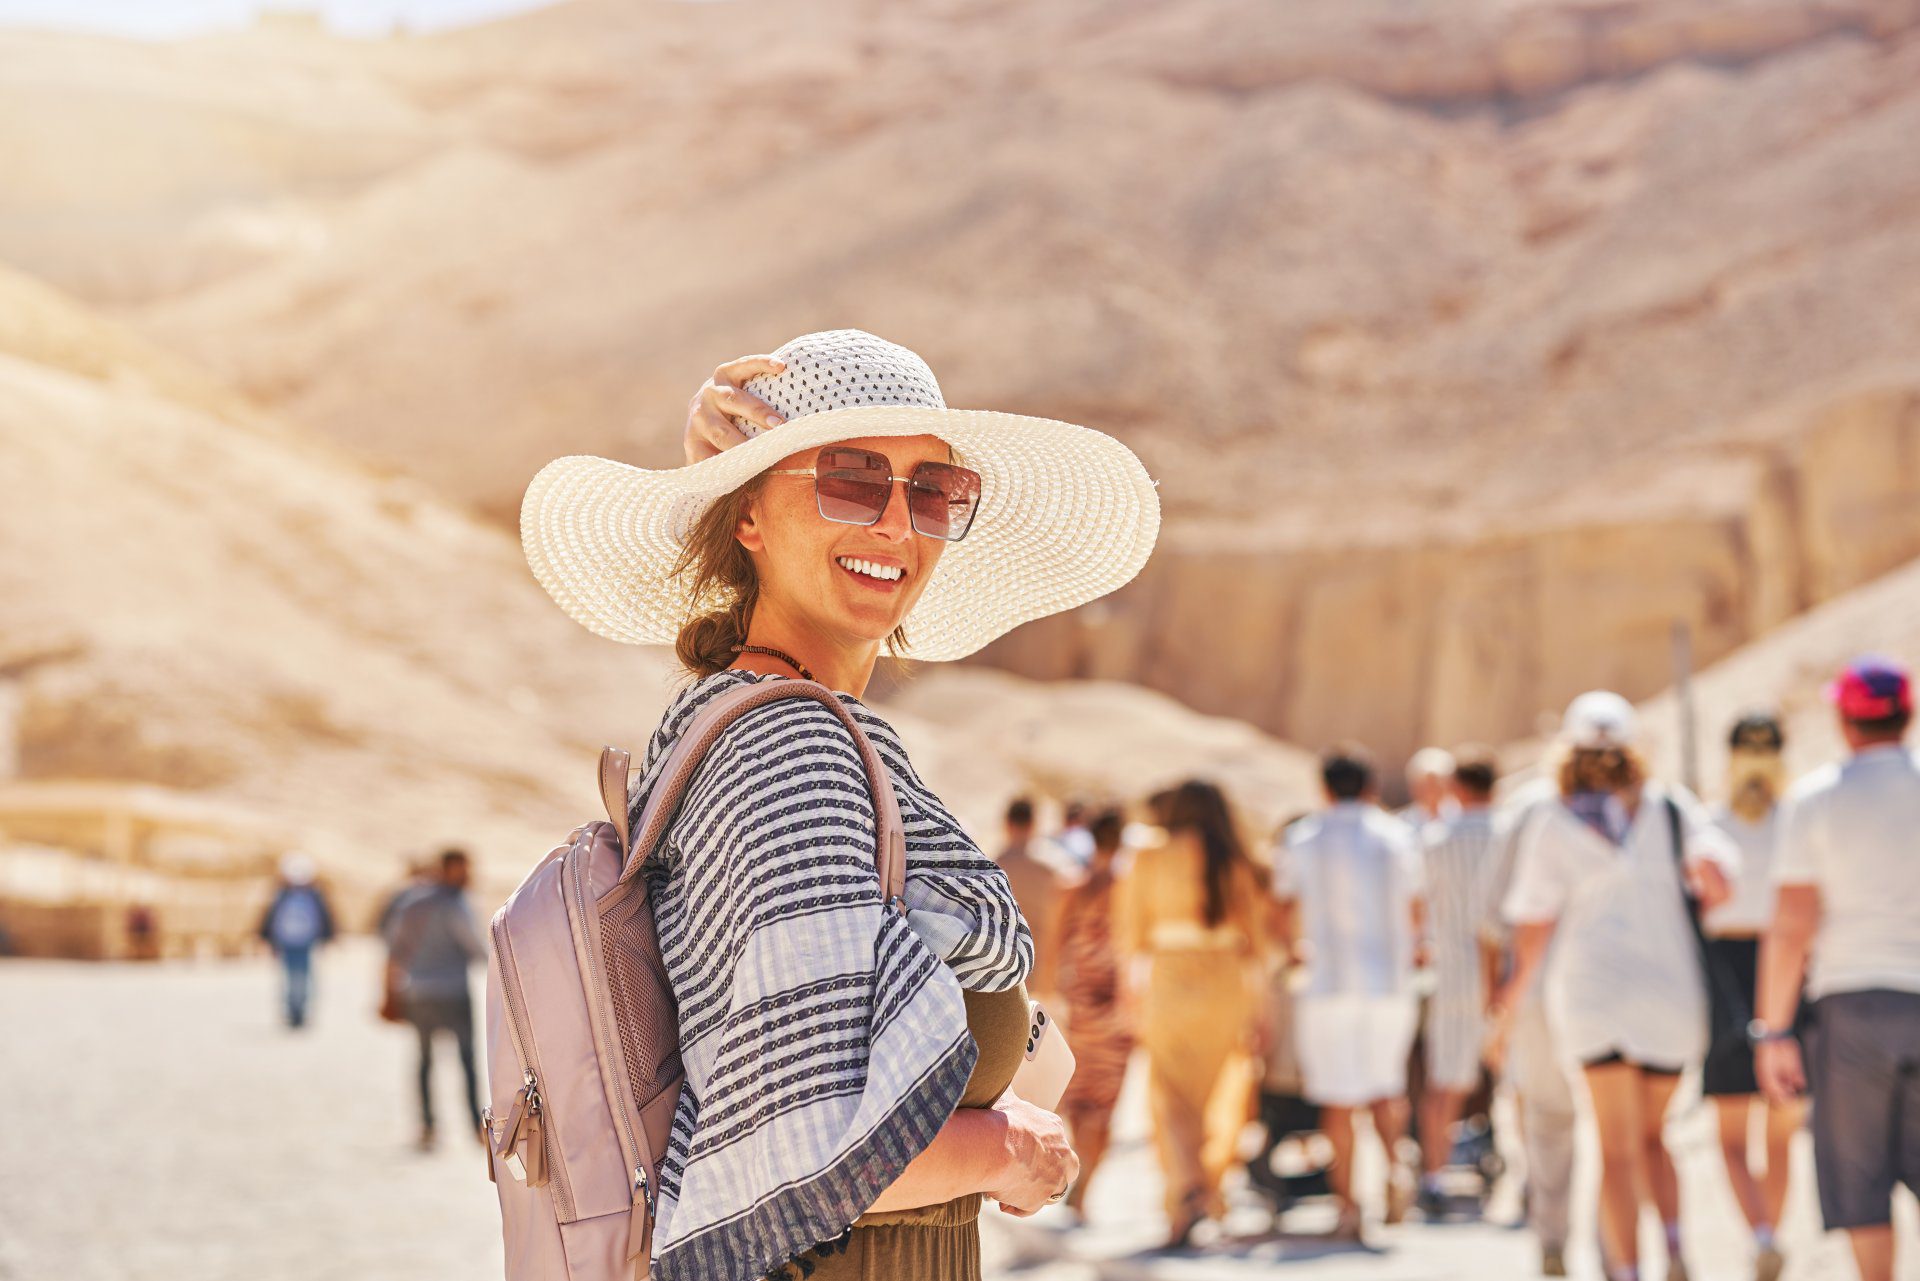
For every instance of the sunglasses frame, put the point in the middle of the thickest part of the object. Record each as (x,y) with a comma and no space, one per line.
(913,519)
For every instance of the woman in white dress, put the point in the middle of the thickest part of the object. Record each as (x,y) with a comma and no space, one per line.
(1610,870)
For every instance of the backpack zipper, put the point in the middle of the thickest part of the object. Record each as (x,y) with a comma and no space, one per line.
(640,1217)
(527,1103)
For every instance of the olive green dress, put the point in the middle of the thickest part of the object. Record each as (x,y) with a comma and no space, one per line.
(936,1242)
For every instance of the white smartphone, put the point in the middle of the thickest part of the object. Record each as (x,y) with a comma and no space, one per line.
(1044,1072)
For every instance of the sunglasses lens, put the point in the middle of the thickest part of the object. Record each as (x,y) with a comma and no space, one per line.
(852,485)
(942,500)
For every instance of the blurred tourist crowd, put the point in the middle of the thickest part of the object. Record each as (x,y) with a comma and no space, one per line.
(1586,928)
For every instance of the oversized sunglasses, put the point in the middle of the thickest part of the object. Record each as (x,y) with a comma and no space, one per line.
(854,486)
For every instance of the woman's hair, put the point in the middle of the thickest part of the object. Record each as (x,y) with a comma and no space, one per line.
(1199,807)
(1107,829)
(720,576)
(1601,769)
(718,570)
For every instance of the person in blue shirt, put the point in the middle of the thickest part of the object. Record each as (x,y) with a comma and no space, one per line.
(296,922)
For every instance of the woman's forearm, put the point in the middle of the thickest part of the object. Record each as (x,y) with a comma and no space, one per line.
(966,1156)
(1529,949)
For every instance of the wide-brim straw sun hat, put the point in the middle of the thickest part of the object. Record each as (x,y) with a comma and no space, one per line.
(1066,515)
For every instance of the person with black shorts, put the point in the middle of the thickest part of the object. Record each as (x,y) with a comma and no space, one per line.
(1749,817)
(1848,880)
(1604,874)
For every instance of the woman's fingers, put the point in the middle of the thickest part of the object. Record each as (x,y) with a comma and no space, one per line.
(710,433)
(730,400)
(738,371)
(710,417)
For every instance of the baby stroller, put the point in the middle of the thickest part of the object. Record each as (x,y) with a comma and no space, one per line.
(1291,1165)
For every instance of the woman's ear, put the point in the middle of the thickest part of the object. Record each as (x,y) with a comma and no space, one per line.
(748,532)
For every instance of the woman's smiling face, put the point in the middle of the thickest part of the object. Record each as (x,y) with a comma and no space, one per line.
(853,583)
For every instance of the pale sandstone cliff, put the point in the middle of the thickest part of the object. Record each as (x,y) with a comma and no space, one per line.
(1378,289)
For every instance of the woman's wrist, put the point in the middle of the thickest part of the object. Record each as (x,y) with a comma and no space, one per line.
(969,1154)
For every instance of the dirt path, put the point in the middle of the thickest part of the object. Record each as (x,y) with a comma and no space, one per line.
(161,1125)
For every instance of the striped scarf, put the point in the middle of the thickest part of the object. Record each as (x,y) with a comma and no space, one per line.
(824,1039)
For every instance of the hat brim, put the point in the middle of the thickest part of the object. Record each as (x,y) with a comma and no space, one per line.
(1067,514)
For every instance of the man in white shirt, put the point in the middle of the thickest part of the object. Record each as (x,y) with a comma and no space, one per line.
(1349,881)
(1848,872)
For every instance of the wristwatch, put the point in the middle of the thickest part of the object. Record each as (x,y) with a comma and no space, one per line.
(1758,1033)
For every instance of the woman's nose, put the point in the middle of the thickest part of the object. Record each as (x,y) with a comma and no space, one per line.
(895,523)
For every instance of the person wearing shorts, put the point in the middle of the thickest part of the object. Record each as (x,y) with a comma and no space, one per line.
(1350,881)
(1599,876)
(1460,856)
(1848,878)
(1750,818)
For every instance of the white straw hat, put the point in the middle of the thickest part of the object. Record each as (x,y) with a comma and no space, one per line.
(1600,718)
(1067,514)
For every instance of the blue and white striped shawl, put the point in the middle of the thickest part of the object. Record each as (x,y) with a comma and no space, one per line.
(824,1040)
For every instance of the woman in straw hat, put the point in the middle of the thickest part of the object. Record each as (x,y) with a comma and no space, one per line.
(845,1107)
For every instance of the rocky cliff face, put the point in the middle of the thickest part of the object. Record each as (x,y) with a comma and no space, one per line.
(1459,332)
(1481,635)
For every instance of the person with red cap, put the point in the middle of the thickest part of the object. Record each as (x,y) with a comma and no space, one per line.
(1848,883)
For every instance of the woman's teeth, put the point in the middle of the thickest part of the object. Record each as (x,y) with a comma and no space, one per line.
(886,573)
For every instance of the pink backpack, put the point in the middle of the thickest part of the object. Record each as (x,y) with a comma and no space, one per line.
(583,1045)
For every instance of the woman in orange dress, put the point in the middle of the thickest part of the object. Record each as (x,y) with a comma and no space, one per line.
(1193,918)
(1099,1024)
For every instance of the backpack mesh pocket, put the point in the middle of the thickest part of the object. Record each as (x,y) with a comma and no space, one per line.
(644,1012)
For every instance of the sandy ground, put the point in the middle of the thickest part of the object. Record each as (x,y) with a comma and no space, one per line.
(163,1125)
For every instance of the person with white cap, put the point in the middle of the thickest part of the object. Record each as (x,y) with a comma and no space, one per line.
(1617,868)
(847,1063)
(1848,882)
(1429,788)
(297,921)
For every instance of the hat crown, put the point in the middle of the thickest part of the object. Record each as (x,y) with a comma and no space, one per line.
(1599,719)
(843,369)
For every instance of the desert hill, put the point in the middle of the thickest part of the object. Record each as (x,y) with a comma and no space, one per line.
(1473,342)
(199,597)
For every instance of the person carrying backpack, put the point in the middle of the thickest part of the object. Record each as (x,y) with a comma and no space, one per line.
(1612,875)
(296,922)
(432,941)
(847,1047)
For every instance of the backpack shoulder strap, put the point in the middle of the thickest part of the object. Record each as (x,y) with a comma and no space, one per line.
(686,755)
(1676,829)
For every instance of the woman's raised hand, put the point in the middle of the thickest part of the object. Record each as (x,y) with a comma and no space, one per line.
(1038,1165)
(711,412)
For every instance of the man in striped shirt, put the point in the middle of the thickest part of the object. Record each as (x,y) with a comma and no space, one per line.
(1461,857)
